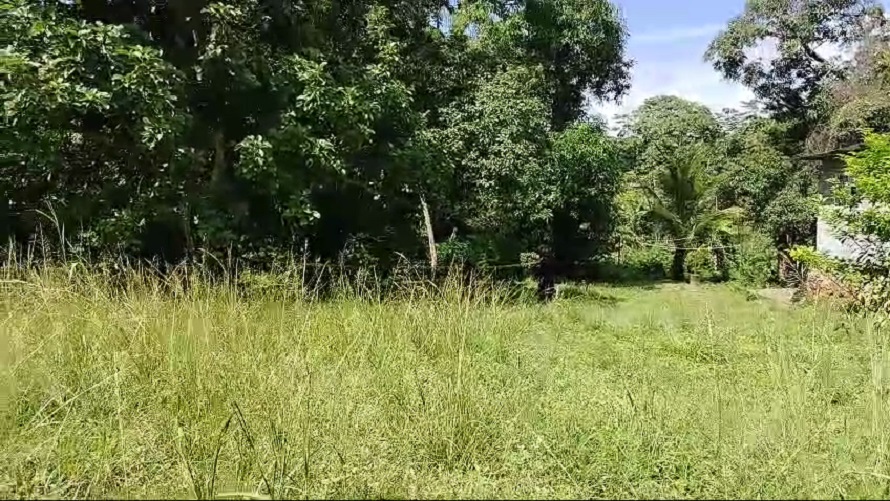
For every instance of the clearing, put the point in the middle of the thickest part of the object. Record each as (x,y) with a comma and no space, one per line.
(622,392)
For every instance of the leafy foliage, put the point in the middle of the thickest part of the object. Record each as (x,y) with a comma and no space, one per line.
(90,120)
(760,175)
(861,218)
(683,201)
(862,205)
(753,259)
(791,81)
(664,124)
(366,132)
(859,100)
(263,127)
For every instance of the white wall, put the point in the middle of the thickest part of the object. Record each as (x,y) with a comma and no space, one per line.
(829,244)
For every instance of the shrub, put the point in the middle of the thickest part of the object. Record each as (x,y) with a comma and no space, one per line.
(753,260)
(700,263)
(860,288)
(643,263)
(468,251)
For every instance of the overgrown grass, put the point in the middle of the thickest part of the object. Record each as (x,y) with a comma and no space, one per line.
(144,390)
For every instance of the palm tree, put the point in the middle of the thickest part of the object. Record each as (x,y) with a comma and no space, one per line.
(683,198)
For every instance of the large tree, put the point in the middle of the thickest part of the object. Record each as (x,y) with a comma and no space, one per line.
(860,100)
(663,124)
(788,80)
(260,126)
(760,173)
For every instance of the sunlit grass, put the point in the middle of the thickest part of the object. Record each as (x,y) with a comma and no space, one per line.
(147,389)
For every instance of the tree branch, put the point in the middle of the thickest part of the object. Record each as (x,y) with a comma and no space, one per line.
(812,54)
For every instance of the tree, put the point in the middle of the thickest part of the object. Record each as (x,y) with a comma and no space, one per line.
(759,174)
(507,137)
(860,100)
(498,142)
(789,83)
(580,44)
(581,182)
(522,186)
(664,124)
(683,199)
(260,127)
(91,121)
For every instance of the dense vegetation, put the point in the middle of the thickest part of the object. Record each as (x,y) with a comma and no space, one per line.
(366,132)
(264,128)
(175,174)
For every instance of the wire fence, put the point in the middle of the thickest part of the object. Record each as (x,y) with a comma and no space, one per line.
(668,246)
(299,260)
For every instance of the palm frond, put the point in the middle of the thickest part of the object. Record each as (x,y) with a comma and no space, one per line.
(684,198)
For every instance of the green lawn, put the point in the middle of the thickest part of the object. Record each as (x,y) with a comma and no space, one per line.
(669,391)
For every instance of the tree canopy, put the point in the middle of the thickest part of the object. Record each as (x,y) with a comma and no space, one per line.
(261,126)
(370,132)
(774,46)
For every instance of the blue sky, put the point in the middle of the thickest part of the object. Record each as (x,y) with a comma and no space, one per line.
(668,40)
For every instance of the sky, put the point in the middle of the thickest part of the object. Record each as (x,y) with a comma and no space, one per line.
(668,40)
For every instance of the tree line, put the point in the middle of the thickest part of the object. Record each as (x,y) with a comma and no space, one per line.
(367,131)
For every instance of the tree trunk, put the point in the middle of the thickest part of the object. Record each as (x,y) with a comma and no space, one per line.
(431,239)
(720,263)
(546,278)
(217,175)
(186,221)
(678,267)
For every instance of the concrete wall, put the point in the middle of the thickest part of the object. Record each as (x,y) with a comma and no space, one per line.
(829,244)
(827,241)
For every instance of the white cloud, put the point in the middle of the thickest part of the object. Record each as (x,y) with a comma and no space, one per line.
(693,80)
(768,50)
(677,34)
(670,62)
(683,72)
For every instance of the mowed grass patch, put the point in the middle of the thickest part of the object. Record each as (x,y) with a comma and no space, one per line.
(671,391)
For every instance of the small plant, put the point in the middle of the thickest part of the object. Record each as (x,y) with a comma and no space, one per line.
(860,288)
(700,264)
(753,260)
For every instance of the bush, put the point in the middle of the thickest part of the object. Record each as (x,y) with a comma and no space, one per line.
(465,251)
(860,288)
(700,263)
(639,263)
(753,261)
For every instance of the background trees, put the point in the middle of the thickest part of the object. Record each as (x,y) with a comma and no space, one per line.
(683,200)
(788,83)
(263,126)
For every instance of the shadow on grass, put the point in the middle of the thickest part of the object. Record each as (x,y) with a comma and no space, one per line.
(645,284)
(614,275)
(588,293)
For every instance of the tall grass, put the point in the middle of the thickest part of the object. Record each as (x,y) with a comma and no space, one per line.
(129,385)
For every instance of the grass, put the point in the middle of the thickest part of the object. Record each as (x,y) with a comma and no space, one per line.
(672,391)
